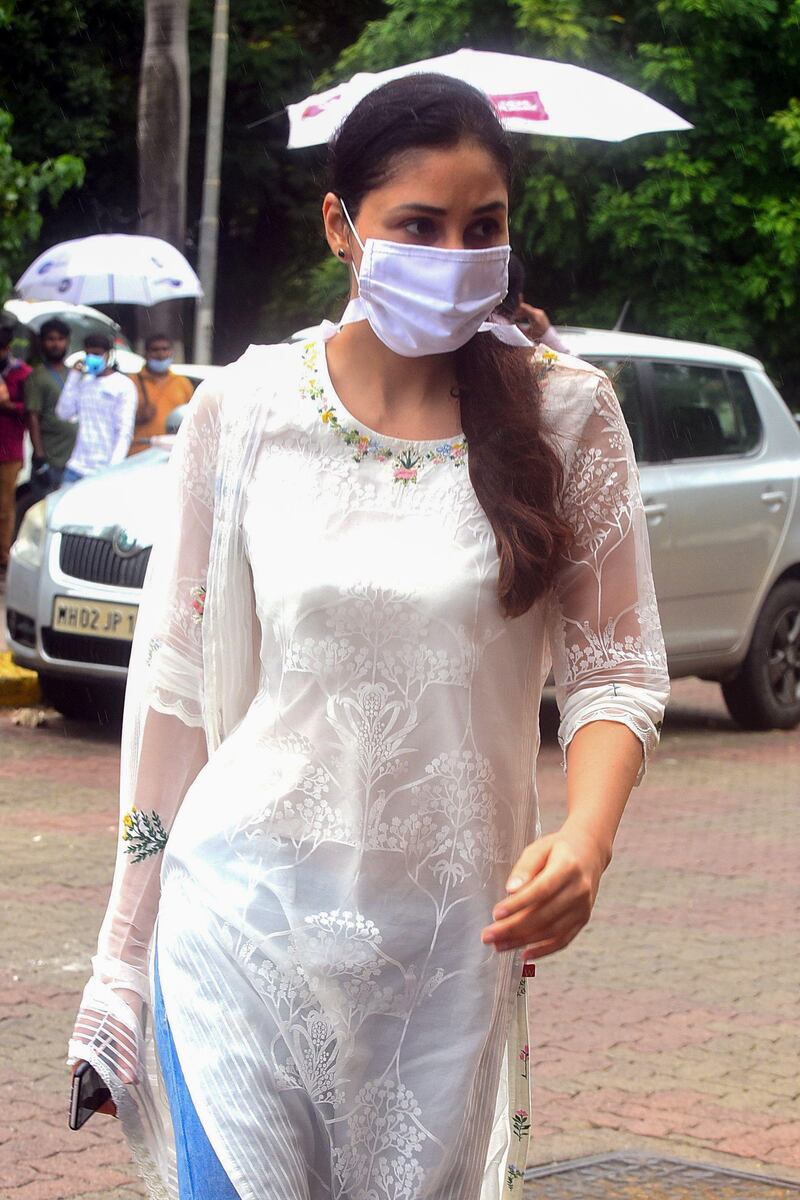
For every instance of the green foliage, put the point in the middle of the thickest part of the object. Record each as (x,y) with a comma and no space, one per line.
(412,29)
(68,74)
(700,231)
(23,187)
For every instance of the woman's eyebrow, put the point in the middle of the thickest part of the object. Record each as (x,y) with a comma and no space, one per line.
(431,210)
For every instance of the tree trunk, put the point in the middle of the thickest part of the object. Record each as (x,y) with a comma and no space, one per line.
(209,220)
(163,143)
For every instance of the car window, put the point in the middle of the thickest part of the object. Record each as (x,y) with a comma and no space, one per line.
(626,384)
(704,411)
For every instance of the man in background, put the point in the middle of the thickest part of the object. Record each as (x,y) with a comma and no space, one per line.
(103,403)
(534,322)
(13,374)
(53,439)
(159,390)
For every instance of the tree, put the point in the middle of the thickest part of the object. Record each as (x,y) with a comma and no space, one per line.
(68,75)
(700,231)
(23,188)
(163,141)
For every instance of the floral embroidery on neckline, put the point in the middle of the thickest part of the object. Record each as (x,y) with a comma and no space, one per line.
(406,460)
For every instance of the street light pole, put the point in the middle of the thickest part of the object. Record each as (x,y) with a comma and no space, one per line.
(209,220)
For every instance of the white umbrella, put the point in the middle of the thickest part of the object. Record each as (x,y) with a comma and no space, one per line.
(531,95)
(110,268)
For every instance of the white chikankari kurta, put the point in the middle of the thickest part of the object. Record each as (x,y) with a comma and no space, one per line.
(338,730)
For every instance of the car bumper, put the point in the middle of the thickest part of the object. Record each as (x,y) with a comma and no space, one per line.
(30,596)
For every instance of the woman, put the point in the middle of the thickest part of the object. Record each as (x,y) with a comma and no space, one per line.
(381,539)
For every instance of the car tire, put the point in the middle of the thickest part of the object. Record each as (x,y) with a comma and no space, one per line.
(765,694)
(81,701)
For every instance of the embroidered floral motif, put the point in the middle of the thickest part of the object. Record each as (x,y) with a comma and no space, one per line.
(524,1056)
(198,595)
(153,647)
(406,463)
(512,1175)
(144,835)
(544,360)
(520,1124)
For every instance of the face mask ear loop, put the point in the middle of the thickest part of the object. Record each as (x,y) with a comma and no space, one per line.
(354,232)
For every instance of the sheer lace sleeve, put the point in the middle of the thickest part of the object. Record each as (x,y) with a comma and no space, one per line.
(163,744)
(605,637)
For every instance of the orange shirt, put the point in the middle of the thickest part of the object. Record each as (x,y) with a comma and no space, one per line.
(166,392)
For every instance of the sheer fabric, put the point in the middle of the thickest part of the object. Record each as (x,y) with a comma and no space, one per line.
(328,769)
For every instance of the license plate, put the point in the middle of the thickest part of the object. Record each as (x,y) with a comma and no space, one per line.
(94,618)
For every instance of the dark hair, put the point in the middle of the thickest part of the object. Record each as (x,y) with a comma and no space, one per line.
(97,341)
(156,337)
(516,286)
(514,468)
(55,325)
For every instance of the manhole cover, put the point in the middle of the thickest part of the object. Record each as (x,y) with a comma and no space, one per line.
(630,1177)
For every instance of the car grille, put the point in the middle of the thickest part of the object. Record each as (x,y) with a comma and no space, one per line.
(96,560)
(74,648)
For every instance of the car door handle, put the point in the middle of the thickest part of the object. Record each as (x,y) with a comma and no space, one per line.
(654,510)
(773,499)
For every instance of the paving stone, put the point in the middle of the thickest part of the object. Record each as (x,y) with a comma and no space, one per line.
(623,1177)
(666,1027)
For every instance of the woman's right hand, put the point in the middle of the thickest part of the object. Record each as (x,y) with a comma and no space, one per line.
(121,1060)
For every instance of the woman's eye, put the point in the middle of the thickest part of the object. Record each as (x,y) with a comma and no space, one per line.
(482,230)
(421,227)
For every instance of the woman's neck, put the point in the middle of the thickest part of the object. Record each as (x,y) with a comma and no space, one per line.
(401,397)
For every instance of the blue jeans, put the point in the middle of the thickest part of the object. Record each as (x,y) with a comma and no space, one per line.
(201,1175)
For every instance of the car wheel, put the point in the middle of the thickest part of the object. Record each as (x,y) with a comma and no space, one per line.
(766,692)
(102,705)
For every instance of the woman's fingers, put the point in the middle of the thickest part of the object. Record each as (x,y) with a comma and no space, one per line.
(528,865)
(557,865)
(571,903)
(537,931)
(551,945)
(561,884)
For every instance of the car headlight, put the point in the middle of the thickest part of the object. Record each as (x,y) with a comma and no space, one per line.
(29,546)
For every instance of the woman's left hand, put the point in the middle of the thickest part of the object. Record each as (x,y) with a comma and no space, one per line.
(552,890)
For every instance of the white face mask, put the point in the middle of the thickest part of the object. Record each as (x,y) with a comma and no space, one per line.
(422,300)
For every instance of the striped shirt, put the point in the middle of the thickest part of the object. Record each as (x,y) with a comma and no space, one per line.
(104,407)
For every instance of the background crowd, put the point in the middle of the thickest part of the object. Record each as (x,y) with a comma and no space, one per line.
(81,419)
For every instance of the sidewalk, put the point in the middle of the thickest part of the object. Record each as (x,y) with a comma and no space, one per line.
(670,1026)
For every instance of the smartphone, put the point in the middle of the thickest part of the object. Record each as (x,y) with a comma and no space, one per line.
(88,1094)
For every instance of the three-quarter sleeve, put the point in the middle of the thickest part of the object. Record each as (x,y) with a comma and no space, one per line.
(605,636)
(163,744)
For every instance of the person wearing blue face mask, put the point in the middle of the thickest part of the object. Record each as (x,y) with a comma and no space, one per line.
(159,390)
(102,402)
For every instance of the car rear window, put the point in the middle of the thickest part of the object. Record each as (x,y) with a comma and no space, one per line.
(704,412)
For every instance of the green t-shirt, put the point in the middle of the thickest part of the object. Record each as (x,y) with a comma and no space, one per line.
(42,389)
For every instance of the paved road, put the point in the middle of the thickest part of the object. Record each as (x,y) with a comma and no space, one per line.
(669,1026)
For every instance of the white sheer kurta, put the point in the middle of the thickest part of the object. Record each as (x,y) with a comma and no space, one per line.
(342,1029)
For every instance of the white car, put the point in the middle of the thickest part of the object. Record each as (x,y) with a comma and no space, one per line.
(719,457)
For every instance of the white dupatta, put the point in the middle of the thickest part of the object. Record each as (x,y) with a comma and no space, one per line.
(190,682)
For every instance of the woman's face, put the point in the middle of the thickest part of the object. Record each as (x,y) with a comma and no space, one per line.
(454,199)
